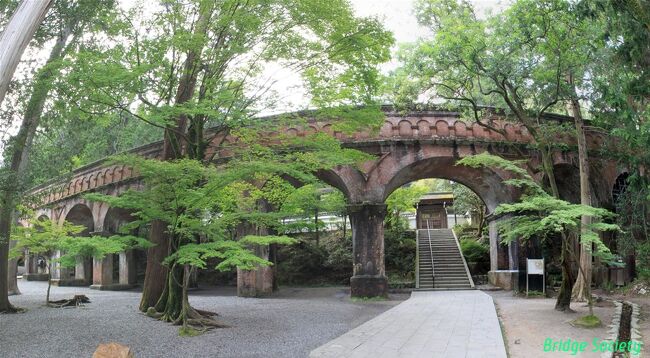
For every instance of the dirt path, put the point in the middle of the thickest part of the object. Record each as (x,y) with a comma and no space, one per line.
(529,322)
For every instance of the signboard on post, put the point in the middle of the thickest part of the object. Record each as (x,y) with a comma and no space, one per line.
(535,267)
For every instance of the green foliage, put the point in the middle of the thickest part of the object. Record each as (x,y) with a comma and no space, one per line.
(399,253)
(193,200)
(466,231)
(541,215)
(305,263)
(643,260)
(302,205)
(44,237)
(403,200)
(475,251)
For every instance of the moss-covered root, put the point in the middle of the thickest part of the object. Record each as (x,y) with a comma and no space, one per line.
(589,321)
(196,320)
(13,309)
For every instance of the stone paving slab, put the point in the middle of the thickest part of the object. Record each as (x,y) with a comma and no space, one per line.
(429,324)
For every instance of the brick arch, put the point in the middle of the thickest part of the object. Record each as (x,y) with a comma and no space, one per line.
(460,129)
(114,218)
(424,128)
(386,130)
(442,128)
(80,214)
(405,129)
(486,183)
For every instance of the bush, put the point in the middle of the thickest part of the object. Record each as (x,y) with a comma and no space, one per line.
(306,263)
(339,259)
(643,260)
(331,261)
(301,263)
(466,231)
(475,251)
(399,252)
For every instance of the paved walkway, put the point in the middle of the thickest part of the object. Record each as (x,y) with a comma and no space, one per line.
(429,324)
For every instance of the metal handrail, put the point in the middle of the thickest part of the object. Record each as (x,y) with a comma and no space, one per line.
(417,258)
(433,272)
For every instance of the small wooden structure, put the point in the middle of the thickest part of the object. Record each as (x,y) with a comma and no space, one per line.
(432,210)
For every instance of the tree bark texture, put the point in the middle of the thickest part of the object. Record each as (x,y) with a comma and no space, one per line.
(15,38)
(582,288)
(174,146)
(22,142)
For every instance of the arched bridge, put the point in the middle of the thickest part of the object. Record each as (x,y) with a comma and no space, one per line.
(408,147)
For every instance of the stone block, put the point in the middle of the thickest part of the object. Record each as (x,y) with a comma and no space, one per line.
(506,279)
(113,350)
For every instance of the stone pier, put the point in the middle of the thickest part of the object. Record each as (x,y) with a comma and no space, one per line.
(368,272)
(504,260)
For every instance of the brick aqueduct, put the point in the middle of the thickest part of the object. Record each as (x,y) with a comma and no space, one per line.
(408,147)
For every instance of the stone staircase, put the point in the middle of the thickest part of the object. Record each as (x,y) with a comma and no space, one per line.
(446,270)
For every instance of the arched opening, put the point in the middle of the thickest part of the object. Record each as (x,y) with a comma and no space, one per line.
(36,267)
(120,271)
(314,215)
(487,185)
(422,214)
(82,273)
(627,205)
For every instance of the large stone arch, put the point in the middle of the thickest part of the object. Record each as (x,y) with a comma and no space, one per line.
(486,183)
(35,265)
(77,213)
(116,271)
(81,214)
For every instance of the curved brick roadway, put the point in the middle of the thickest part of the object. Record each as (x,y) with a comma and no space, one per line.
(429,324)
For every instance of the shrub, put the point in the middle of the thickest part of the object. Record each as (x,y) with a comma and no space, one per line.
(301,263)
(643,260)
(466,231)
(475,251)
(399,252)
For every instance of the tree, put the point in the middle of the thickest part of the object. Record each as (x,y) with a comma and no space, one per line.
(189,196)
(538,214)
(201,63)
(517,60)
(46,237)
(307,202)
(465,200)
(66,25)
(403,200)
(620,104)
(16,36)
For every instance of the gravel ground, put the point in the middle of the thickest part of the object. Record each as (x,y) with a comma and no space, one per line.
(290,324)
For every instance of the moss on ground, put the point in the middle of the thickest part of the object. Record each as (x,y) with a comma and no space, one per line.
(589,321)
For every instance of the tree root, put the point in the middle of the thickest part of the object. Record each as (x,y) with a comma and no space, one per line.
(205,313)
(13,309)
(76,301)
(199,320)
(564,309)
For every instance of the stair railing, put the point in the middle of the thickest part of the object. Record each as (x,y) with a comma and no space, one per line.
(433,272)
(417,258)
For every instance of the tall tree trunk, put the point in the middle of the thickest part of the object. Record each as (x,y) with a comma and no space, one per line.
(12,279)
(21,147)
(13,41)
(316,226)
(158,280)
(563,302)
(582,287)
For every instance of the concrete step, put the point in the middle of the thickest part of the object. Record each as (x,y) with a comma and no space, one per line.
(451,277)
